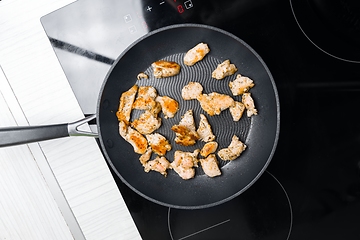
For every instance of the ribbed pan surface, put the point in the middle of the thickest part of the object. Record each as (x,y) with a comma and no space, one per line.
(223,125)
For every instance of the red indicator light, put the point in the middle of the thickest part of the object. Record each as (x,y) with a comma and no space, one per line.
(180,8)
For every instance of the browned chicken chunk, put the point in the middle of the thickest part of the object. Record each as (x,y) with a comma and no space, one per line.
(185,131)
(136,139)
(142,75)
(191,91)
(213,103)
(208,148)
(158,143)
(237,110)
(164,68)
(169,106)
(145,99)
(233,151)
(184,163)
(125,106)
(210,166)
(146,123)
(196,54)
(249,104)
(159,164)
(204,130)
(223,70)
(145,156)
(241,85)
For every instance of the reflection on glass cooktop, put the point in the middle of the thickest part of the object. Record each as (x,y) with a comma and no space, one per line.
(88,36)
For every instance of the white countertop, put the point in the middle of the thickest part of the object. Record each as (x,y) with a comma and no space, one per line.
(58,189)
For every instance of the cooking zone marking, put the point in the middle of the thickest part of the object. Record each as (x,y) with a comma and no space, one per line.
(205,229)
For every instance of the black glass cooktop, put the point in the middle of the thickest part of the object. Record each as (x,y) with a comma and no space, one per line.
(311,189)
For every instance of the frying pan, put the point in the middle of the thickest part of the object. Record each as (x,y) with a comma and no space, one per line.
(260,133)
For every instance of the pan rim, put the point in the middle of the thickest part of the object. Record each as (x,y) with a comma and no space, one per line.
(276,97)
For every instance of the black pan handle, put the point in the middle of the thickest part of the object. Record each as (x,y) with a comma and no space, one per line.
(10,136)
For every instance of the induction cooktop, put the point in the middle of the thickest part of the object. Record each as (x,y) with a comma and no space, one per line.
(311,189)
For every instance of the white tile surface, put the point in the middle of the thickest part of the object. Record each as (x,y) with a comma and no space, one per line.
(28,209)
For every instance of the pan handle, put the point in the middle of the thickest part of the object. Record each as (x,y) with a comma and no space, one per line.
(10,136)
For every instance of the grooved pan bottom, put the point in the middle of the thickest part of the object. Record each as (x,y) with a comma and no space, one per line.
(222,125)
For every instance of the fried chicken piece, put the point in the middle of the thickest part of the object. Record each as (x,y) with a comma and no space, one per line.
(123,129)
(185,131)
(214,102)
(136,139)
(145,156)
(196,54)
(233,151)
(155,110)
(223,70)
(249,104)
(208,148)
(158,143)
(237,110)
(164,68)
(125,106)
(191,91)
(159,164)
(204,130)
(241,85)
(184,163)
(169,106)
(145,99)
(146,123)
(142,75)
(184,136)
(210,166)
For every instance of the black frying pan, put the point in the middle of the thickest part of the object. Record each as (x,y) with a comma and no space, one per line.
(260,133)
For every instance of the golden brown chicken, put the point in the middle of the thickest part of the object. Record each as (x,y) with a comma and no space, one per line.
(208,148)
(158,143)
(191,91)
(196,54)
(145,99)
(169,106)
(136,139)
(213,103)
(147,123)
(125,106)
(237,110)
(184,163)
(145,156)
(223,70)
(248,101)
(185,131)
(159,164)
(164,68)
(233,151)
(241,85)
(142,76)
(210,166)
(204,130)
